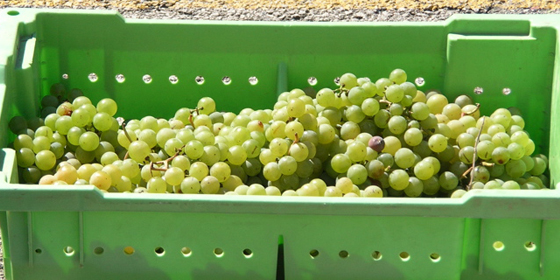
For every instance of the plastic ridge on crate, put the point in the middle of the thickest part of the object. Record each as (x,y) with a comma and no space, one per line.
(153,67)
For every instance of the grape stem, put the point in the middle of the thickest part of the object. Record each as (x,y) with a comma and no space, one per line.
(474,153)
(125,133)
(166,161)
(471,112)
(296,140)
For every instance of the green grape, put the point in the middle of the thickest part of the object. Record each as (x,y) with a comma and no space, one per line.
(211,155)
(529,148)
(500,155)
(511,185)
(172,146)
(431,185)
(495,128)
(354,114)
(305,168)
(484,149)
(518,121)
(138,151)
(515,168)
(539,166)
(287,165)
(436,103)
(448,181)
(493,184)
(25,157)
(63,124)
(465,139)
(333,114)
(293,129)
(424,170)
(207,138)
(456,128)
(436,165)
(357,95)
(392,145)
(340,163)
(89,141)
(23,141)
(326,133)
(375,169)
(102,121)
(516,151)
(325,97)
(413,137)
(397,124)
(308,190)
(198,170)
(437,143)
(156,185)
(501,139)
(468,122)
(415,187)
(370,107)
(348,80)
(332,192)
(398,179)
(398,76)
(394,93)
(41,143)
(357,173)
(481,174)
(420,111)
(529,163)
(369,87)
(57,149)
(452,111)
(430,122)
(148,136)
(295,108)
(404,158)
(443,129)
(387,159)
(466,155)
(344,185)
(194,149)
(209,185)
(356,151)
(237,155)
(381,119)
(271,171)
(372,191)
(165,134)
(266,156)
(174,176)
(251,147)
(206,105)
(45,160)
(107,105)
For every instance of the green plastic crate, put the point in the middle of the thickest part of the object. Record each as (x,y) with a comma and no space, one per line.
(484,235)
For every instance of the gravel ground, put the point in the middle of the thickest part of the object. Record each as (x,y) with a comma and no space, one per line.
(291,10)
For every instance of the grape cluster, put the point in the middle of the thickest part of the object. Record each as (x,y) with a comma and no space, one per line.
(361,139)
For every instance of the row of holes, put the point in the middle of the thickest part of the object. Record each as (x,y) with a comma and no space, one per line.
(376,255)
(253,81)
(226,80)
(435,257)
(159,251)
(529,246)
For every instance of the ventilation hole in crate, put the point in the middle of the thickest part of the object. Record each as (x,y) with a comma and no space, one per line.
(226,80)
(69,251)
(186,251)
(478,90)
(38,251)
(337,81)
(199,80)
(219,252)
(128,250)
(506,91)
(343,254)
(405,256)
(119,78)
(247,253)
(530,246)
(147,78)
(65,76)
(98,250)
(13,13)
(159,251)
(253,80)
(313,253)
(173,79)
(312,81)
(92,77)
(376,255)
(435,257)
(419,81)
(498,246)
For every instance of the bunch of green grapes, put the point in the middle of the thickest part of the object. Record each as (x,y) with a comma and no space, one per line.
(361,139)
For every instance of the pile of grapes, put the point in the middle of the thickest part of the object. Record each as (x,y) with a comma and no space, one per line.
(362,139)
